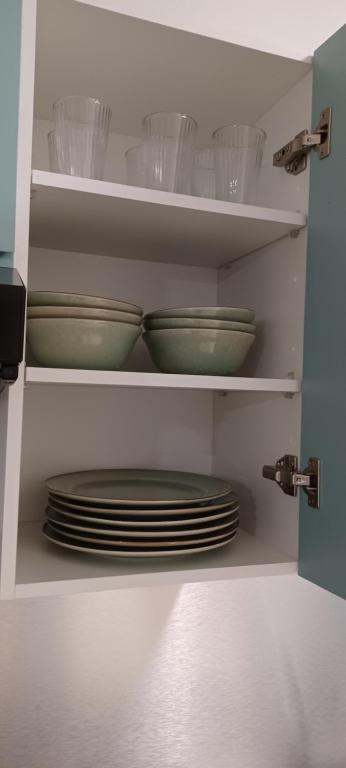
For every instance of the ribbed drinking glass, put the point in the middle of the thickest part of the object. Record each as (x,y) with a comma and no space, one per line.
(238,151)
(203,175)
(135,167)
(169,140)
(82,128)
(53,152)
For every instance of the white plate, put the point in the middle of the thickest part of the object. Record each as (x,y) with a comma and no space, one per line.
(148,544)
(131,487)
(152,534)
(60,504)
(62,542)
(139,524)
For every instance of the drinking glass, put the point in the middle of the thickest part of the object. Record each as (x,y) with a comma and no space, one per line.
(203,175)
(82,128)
(53,152)
(169,140)
(135,167)
(238,151)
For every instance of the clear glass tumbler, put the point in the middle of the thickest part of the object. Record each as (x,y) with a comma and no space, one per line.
(82,128)
(169,140)
(238,151)
(135,167)
(203,175)
(53,153)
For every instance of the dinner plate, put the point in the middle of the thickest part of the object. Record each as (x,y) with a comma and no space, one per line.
(140,543)
(138,486)
(64,541)
(58,521)
(139,522)
(130,512)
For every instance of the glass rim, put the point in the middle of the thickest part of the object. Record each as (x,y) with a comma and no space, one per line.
(137,146)
(80,96)
(177,114)
(239,125)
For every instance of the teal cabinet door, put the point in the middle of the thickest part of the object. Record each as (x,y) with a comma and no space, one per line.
(322,532)
(10,37)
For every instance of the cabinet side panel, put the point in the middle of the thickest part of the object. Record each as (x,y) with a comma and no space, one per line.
(12,406)
(253,430)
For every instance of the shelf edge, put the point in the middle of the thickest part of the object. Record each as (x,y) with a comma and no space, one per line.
(129,379)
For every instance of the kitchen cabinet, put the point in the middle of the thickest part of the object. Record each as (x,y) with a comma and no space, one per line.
(164,249)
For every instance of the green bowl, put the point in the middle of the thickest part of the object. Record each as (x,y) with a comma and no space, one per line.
(198,351)
(239,314)
(85,312)
(51,298)
(80,343)
(189,322)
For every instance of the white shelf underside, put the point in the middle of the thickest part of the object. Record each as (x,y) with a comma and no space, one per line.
(87,216)
(46,569)
(64,376)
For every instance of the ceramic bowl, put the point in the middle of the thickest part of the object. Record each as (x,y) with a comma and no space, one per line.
(50,298)
(198,351)
(80,343)
(189,322)
(85,312)
(239,314)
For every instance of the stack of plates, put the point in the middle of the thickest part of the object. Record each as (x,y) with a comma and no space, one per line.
(140,513)
(200,340)
(71,330)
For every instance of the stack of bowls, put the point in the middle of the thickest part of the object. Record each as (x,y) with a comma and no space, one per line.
(70,330)
(200,340)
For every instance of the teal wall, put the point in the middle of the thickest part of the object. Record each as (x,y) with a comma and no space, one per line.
(10,36)
(322,533)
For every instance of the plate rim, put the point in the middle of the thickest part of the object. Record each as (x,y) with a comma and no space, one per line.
(192,541)
(134,533)
(136,555)
(144,502)
(152,523)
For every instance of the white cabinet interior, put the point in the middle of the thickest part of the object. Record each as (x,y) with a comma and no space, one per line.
(144,422)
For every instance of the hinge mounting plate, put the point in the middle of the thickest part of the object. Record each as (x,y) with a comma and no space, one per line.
(286,474)
(293,155)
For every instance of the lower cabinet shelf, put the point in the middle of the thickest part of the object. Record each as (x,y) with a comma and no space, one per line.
(44,569)
(158,380)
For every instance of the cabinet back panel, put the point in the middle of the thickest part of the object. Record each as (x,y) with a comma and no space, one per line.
(72,428)
(82,428)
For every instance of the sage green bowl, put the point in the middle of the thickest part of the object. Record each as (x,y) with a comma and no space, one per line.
(85,312)
(80,343)
(189,322)
(52,298)
(198,351)
(239,314)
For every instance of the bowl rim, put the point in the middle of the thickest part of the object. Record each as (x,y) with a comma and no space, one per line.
(198,330)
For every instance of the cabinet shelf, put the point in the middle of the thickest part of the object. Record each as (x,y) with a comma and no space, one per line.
(44,569)
(88,216)
(65,376)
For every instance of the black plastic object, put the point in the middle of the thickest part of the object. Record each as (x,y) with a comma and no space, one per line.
(12,320)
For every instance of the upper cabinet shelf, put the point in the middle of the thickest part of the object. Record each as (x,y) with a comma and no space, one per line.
(74,214)
(138,67)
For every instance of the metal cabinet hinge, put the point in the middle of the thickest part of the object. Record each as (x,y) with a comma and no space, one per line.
(293,156)
(286,474)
